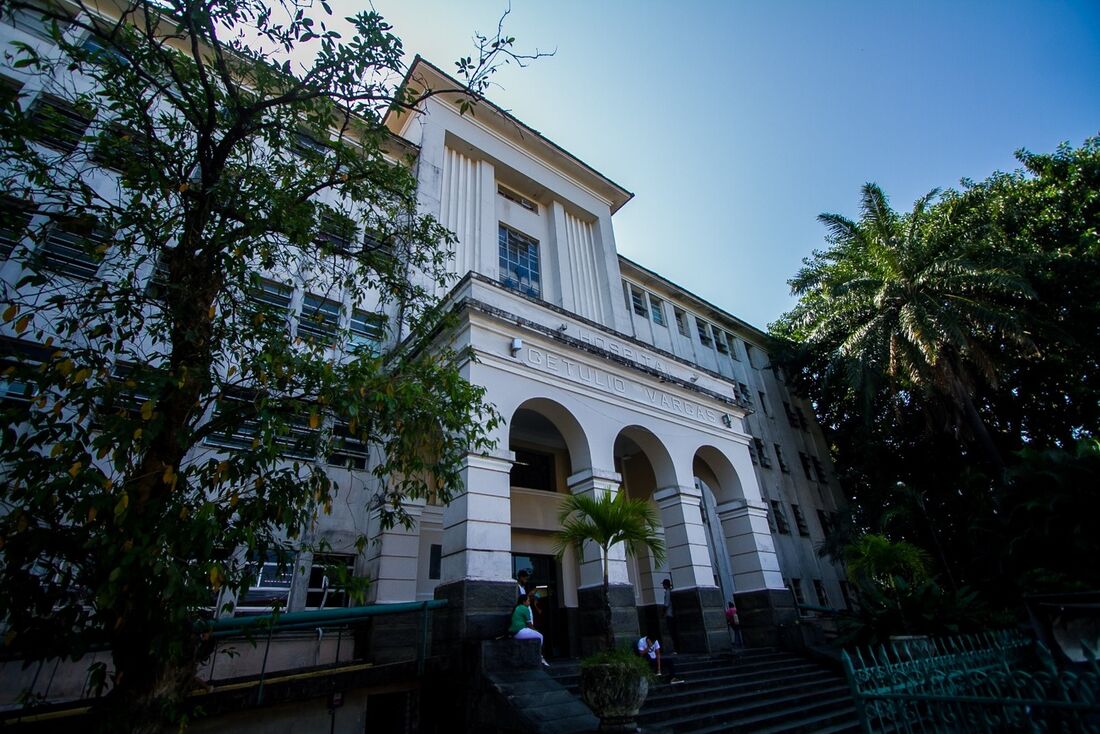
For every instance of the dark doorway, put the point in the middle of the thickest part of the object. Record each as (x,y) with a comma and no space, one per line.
(549,617)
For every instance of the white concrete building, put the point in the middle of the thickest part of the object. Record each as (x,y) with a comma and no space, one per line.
(610,379)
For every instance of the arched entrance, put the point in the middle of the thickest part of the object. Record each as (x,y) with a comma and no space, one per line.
(544,438)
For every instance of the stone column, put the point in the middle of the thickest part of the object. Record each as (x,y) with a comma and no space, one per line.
(764,604)
(477,553)
(624,615)
(696,601)
(393,562)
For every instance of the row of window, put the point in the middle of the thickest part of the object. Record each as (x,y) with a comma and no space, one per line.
(795,585)
(270,588)
(649,306)
(811,465)
(320,319)
(777,520)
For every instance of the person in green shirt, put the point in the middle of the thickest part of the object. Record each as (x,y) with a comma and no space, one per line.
(523,623)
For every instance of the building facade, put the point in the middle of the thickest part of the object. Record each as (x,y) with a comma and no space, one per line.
(609,377)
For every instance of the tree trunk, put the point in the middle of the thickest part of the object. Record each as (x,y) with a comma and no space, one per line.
(607,604)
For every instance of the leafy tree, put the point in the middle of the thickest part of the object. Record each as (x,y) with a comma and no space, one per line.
(182,168)
(891,301)
(607,520)
(1021,253)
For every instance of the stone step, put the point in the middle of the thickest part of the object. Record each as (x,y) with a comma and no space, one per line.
(777,714)
(711,689)
(728,676)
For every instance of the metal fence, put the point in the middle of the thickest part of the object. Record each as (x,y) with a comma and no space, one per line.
(992,682)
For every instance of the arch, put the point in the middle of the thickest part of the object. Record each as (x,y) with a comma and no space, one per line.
(718,473)
(664,471)
(576,440)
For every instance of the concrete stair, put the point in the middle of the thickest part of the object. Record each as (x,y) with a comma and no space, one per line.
(763,691)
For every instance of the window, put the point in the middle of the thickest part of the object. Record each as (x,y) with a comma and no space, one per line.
(807,466)
(271,297)
(657,310)
(118,146)
(327,581)
(796,589)
(762,453)
(846,592)
(819,592)
(720,341)
(800,521)
(320,318)
(18,356)
(792,419)
(826,523)
(519,262)
(704,331)
(75,248)
(375,241)
(347,450)
(435,560)
(516,198)
(335,229)
(269,589)
(58,124)
(731,340)
(367,329)
(779,457)
(240,409)
(752,453)
(637,301)
(9,91)
(98,52)
(533,470)
(158,282)
(34,21)
(306,146)
(764,403)
(14,220)
(781,523)
(745,396)
(819,470)
(801,418)
(681,321)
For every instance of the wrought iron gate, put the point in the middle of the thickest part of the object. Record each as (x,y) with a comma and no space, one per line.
(992,682)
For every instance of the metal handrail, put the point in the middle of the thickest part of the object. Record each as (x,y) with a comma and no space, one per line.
(243,626)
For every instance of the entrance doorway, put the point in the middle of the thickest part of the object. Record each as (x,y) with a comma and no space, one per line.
(544,582)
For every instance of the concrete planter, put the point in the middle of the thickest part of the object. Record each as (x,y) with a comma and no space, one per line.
(615,693)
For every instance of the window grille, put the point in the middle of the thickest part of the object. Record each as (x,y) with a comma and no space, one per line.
(800,521)
(779,457)
(58,124)
(519,262)
(781,523)
(75,248)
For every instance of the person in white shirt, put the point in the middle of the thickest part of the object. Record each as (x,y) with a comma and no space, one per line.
(649,647)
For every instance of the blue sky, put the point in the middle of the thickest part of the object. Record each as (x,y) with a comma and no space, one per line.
(736,123)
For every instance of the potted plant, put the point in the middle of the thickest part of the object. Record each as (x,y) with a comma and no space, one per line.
(614,683)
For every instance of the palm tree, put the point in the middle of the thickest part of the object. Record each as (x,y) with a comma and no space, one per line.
(608,519)
(892,299)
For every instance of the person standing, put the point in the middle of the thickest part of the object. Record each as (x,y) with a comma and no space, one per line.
(521,582)
(670,620)
(734,624)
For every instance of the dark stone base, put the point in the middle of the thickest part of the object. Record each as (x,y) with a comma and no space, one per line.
(476,610)
(624,617)
(700,620)
(769,619)
(510,654)
(390,639)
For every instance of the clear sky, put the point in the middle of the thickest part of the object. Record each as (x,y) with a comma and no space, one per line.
(736,123)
